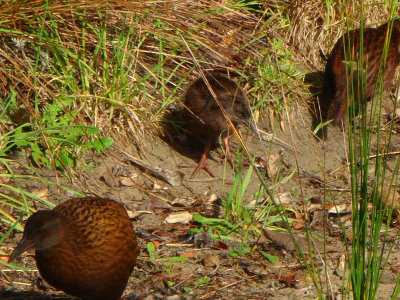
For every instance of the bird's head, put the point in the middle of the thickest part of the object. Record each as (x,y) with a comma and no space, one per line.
(42,231)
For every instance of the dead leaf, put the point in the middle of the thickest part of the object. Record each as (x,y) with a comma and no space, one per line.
(272,164)
(297,225)
(339,209)
(132,214)
(161,233)
(174,297)
(289,280)
(189,254)
(156,186)
(128,180)
(155,203)
(220,245)
(183,201)
(299,215)
(156,244)
(183,217)
(212,198)
(285,198)
(42,193)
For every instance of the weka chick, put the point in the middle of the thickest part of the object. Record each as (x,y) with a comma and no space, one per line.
(335,85)
(85,247)
(204,117)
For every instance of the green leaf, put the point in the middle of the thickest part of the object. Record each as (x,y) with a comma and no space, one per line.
(173,259)
(151,249)
(202,280)
(207,221)
(272,258)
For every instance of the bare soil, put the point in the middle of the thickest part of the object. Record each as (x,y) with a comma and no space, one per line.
(150,201)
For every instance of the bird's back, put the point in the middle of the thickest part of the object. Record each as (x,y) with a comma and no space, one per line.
(347,50)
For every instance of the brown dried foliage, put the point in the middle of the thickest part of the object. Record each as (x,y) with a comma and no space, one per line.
(208,34)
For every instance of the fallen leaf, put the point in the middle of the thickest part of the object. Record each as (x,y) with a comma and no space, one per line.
(189,254)
(156,244)
(180,217)
(212,198)
(299,215)
(155,203)
(272,164)
(339,209)
(220,245)
(42,193)
(128,180)
(289,280)
(161,233)
(156,186)
(297,225)
(285,198)
(183,201)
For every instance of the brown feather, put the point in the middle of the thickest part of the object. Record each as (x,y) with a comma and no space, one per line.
(204,116)
(335,84)
(97,252)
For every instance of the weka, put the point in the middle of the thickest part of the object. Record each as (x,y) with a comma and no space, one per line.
(373,64)
(205,119)
(85,247)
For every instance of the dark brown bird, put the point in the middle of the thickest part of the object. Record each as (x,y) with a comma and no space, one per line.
(85,247)
(205,118)
(335,85)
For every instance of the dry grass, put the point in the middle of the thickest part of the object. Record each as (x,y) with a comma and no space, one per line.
(317,25)
(176,36)
(125,62)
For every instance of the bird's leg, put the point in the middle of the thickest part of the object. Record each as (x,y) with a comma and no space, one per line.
(229,158)
(202,162)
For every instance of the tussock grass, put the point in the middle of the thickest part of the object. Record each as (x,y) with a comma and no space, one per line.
(124,62)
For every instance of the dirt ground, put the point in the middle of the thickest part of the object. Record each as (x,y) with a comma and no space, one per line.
(150,201)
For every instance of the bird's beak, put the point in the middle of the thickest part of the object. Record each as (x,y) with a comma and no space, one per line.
(24,245)
(253,127)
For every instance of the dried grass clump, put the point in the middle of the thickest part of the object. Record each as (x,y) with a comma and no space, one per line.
(166,42)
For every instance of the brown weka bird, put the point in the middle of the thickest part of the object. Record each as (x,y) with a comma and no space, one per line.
(335,84)
(85,247)
(205,118)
